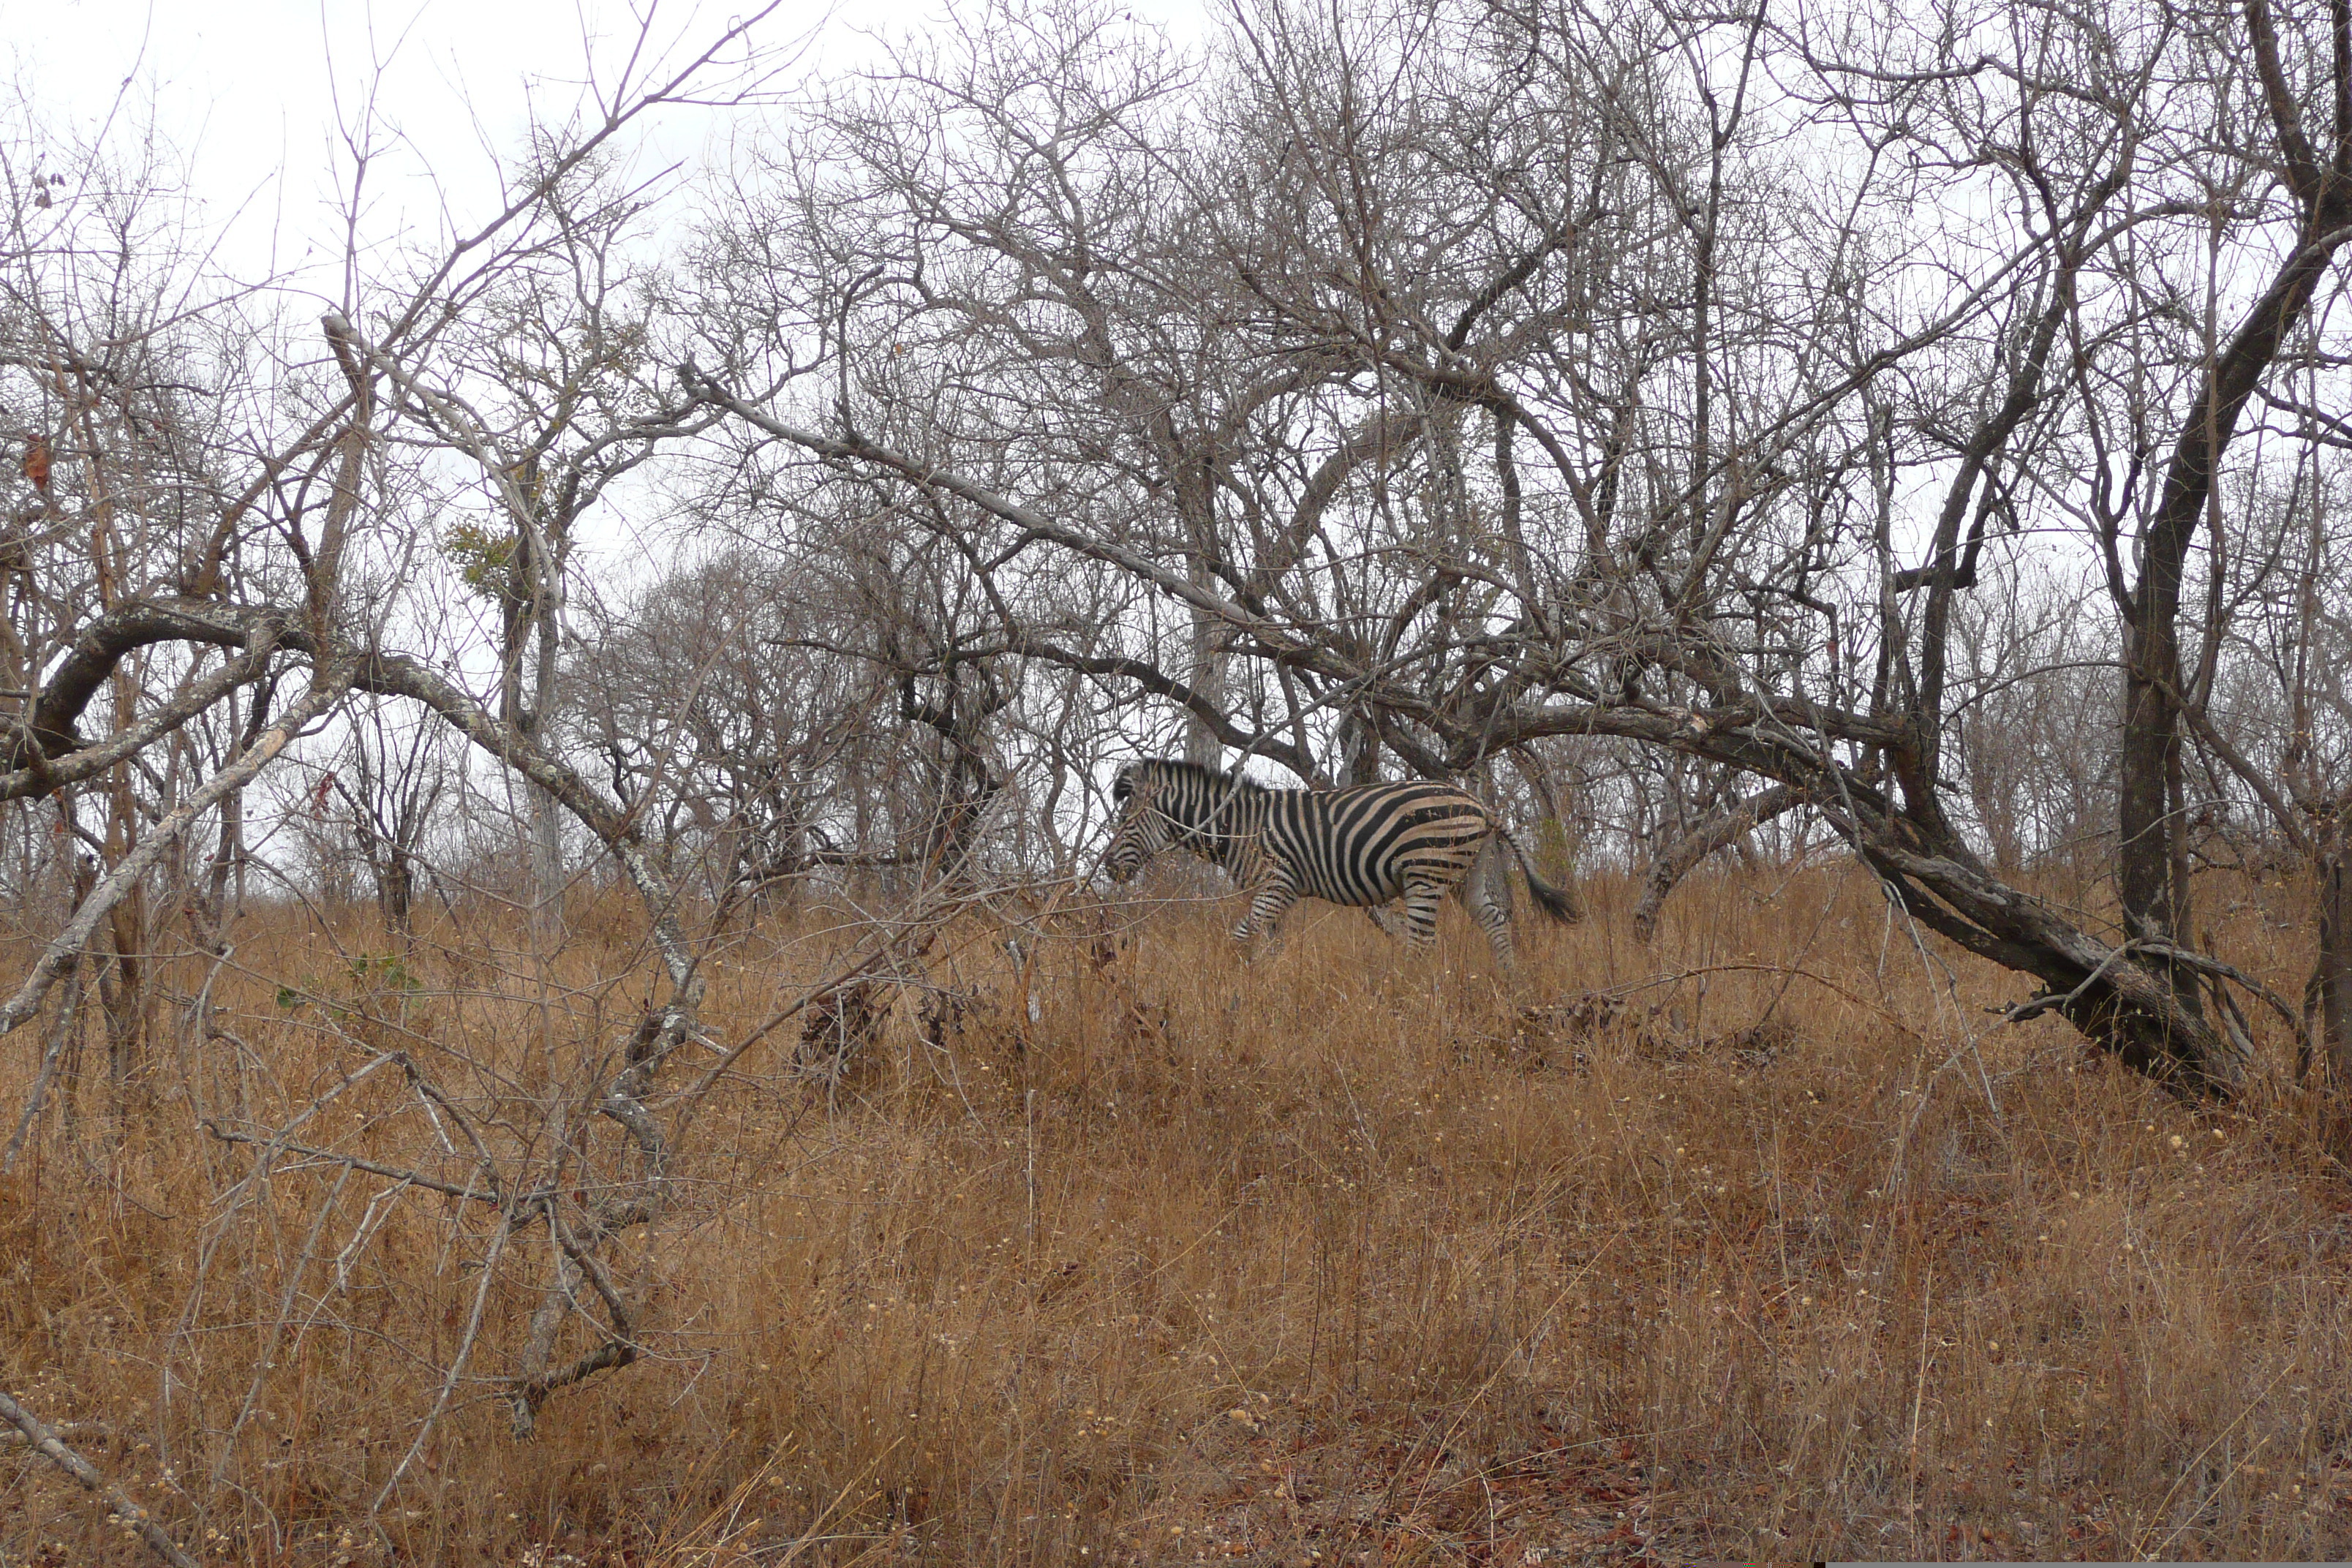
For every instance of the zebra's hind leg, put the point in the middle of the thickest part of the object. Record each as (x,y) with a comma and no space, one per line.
(1494,918)
(1421,897)
(1486,893)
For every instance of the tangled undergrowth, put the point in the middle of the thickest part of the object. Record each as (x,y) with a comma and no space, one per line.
(1767,1241)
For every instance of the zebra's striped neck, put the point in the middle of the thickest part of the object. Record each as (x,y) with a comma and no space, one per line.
(1216,815)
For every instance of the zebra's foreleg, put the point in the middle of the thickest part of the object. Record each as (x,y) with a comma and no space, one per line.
(1266,912)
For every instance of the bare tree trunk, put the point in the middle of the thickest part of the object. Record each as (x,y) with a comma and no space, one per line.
(1201,742)
(229,857)
(1360,751)
(396,894)
(124,985)
(546,819)
(64,1030)
(2331,979)
(2149,867)
(546,866)
(1677,861)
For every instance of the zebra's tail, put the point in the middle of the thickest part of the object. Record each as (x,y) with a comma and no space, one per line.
(1560,903)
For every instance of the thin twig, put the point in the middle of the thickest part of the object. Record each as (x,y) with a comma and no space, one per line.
(457,1365)
(355,1162)
(61,1028)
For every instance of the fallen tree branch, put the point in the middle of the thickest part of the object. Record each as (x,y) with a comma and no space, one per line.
(46,1443)
(528,1395)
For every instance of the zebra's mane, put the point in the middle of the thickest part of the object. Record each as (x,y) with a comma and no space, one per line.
(1166,769)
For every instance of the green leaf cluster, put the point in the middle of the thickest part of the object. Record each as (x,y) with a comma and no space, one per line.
(484,558)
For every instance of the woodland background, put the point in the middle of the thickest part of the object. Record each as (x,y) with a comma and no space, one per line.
(559,1009)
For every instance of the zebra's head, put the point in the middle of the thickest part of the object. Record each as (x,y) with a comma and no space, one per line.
(1168,805)
(1143,830)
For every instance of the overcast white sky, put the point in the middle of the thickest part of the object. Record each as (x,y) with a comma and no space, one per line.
(250,92)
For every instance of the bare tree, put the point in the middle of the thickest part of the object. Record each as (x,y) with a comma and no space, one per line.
(542,388)
(1910,426)
(390,780)
(1730,347)
(203,566)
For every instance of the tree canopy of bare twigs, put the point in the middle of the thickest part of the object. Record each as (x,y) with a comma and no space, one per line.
(1492,375)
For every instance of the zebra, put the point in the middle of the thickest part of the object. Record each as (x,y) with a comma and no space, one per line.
(1366,845)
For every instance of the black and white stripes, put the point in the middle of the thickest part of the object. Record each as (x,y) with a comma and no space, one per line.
(1367,846)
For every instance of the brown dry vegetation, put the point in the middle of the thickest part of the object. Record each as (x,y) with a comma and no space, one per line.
(1344,1256)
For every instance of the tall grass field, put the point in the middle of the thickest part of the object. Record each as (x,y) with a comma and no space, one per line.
(1770,1240)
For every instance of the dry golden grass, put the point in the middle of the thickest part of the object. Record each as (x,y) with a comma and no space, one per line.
(1344,1256)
